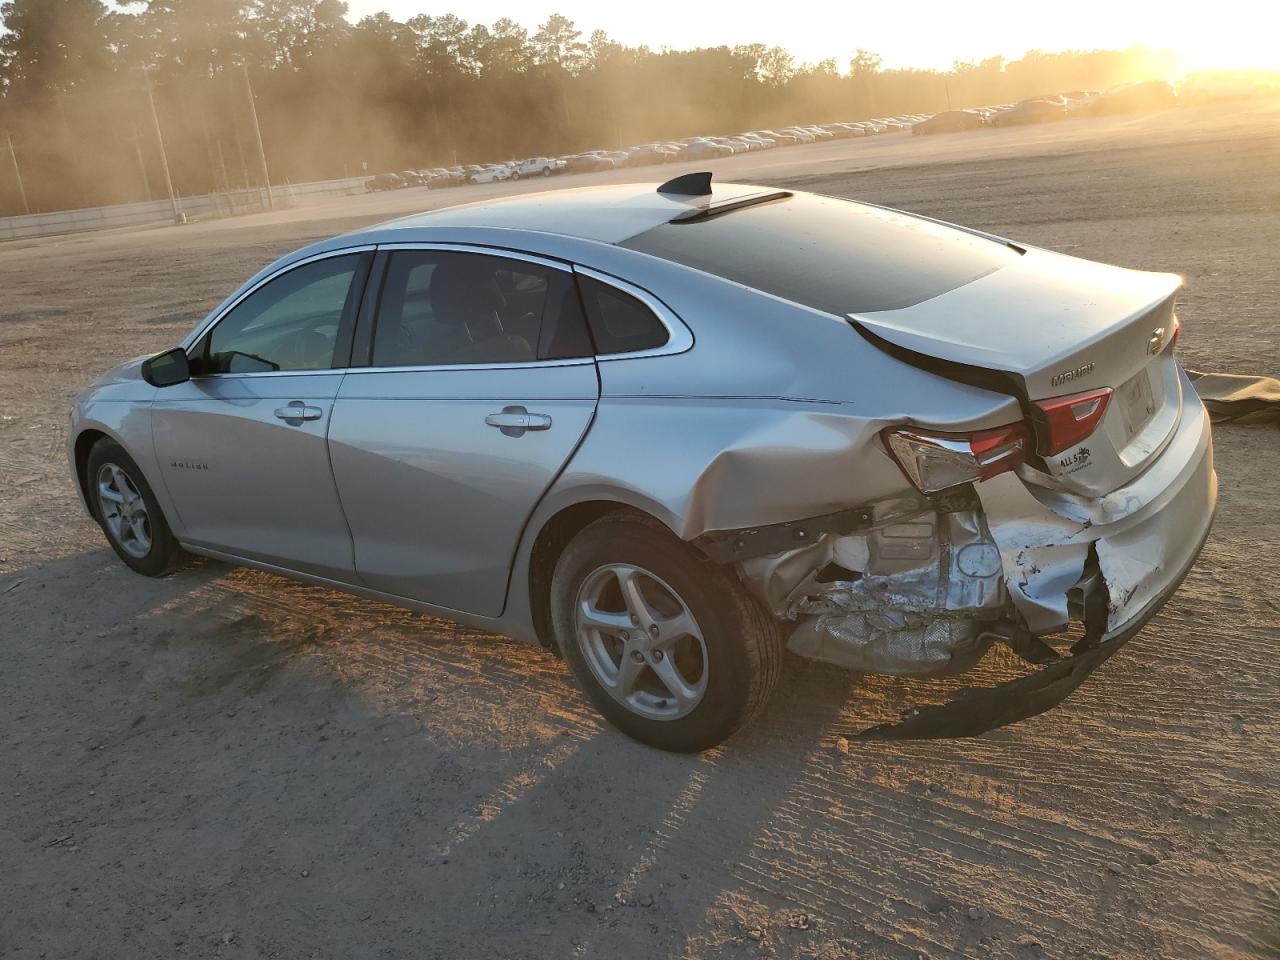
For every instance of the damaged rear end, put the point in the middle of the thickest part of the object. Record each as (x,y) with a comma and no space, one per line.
(1073,508)
(1089,509)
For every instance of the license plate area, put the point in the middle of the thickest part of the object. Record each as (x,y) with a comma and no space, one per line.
(1137,404)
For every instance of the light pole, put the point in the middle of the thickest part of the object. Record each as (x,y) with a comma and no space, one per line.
(257,133)
(17,172)
(178,215)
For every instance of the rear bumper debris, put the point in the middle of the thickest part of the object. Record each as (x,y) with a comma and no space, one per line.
(973,711)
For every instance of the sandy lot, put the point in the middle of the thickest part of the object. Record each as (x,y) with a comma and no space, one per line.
(228,764)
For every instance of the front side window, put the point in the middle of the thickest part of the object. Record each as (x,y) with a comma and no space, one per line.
(444,307)
(291,323)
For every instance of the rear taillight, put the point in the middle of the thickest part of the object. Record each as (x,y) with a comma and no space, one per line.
(1177,332)
(1065,421)
(937,461)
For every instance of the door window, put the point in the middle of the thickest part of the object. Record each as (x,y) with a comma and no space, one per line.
(291,323)
(442,307)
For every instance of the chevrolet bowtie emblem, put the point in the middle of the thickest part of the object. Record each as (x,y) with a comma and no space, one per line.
(1156,341)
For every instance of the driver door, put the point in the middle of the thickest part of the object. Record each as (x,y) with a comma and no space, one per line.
(242,446)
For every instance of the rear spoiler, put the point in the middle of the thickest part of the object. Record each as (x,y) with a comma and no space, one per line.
(985,378)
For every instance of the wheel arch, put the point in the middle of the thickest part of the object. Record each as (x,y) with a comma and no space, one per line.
(549,543)
(85,441)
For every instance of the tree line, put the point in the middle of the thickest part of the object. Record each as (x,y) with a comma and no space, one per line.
(335,98)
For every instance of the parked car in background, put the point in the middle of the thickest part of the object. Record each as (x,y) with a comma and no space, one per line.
(532,167)
(587,162)
(953,121)
(447,177)
(706,149)
(563,433)
(491,173)
(384,181)
(647,153)
(1030,111)
(779,138)
(804,136)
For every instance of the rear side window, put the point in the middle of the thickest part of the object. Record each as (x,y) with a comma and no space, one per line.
(619,322)
(442,307)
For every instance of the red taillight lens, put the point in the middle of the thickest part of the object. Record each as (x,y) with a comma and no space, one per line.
(1000,449)
(1177,332)
(1065,421)
(938,461)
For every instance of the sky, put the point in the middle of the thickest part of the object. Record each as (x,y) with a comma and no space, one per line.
(906,33)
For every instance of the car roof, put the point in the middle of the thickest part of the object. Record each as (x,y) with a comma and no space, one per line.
(609,214)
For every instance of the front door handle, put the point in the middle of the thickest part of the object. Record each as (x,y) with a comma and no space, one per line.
(296,411)
(514,421)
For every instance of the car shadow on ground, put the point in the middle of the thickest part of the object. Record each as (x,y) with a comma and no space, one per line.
(228,760)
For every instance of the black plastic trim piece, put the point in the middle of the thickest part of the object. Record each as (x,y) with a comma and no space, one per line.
(362,338)
(729,546)
(985,378)
(689,185)
(699,214)
(351,312)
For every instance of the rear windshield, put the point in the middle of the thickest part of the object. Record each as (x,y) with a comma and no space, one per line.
(830,254)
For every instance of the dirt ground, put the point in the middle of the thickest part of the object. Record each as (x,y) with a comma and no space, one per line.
(229,764)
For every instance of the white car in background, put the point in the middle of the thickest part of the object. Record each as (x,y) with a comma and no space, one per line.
(491,173)
(533,167)
(804,136)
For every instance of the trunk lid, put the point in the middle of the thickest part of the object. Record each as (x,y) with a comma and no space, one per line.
(1051,326)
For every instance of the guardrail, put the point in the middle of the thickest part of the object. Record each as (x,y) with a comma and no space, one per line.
(198,207)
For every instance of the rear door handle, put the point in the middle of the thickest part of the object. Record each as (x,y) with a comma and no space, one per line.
(296,411)
(514,421)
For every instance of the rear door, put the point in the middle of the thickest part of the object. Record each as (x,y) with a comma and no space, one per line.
(480,385)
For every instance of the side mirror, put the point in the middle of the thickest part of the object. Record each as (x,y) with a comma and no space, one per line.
(167,369)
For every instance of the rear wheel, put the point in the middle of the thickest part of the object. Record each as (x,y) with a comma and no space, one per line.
(515,175)
(128,512)
(669,646)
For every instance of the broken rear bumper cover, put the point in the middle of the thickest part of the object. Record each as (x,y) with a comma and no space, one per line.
(920,587)
(974,711)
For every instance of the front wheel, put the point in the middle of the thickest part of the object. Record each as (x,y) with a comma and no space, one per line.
(128,512)
(669,646)
(515,175)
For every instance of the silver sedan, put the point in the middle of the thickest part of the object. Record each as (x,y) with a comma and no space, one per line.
(668,433)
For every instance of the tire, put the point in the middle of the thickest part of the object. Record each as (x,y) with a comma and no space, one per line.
(726,653)
(515,175)
(546,171)
(155,554)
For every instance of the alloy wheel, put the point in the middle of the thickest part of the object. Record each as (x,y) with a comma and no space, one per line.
(123,510)
(641,642)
